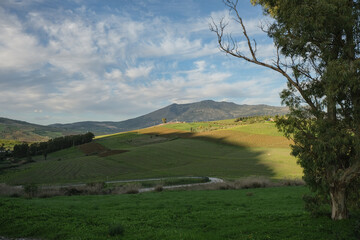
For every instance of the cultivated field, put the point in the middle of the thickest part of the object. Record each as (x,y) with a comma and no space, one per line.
(228,151)
(218,149)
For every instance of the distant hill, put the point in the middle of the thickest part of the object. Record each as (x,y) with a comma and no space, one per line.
(28,132)
(192,112)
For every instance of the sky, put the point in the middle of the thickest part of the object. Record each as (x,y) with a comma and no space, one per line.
(64,61)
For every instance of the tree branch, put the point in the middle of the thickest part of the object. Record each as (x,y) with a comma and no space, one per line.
(230,47)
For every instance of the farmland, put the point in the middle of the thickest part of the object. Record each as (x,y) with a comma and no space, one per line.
(221,149)
(165,151)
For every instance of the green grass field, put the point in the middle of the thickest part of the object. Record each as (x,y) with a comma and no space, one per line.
(267,128)
(254,214)
(168,152)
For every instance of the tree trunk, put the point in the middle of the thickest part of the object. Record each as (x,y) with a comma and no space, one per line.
(338,203)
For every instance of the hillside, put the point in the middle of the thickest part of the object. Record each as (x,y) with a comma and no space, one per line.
(226,149)
(23,131)
(193,112)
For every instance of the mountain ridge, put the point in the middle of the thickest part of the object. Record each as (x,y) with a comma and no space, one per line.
(207,110)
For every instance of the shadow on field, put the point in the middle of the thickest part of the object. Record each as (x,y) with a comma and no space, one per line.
(250,158)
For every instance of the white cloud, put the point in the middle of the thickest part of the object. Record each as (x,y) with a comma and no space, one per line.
(136,72)
(18,50)
(114,74)
(77,61)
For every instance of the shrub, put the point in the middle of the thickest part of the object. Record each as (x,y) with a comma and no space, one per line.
(158,188)
(292,182)
(71,191)
(132,188)
(6,190)
(30,190)
(252,182)
(116,229)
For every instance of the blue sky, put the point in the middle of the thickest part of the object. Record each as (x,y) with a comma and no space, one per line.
(109,60)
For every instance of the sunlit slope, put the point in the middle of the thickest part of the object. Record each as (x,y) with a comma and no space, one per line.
(164,152)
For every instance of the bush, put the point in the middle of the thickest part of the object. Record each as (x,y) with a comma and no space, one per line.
(292,182)
(30,190)
(71,191)
(253,182)
(158,188)
(6,190)
(116,229)
(132,188)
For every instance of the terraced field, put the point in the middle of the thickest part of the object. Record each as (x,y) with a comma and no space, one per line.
(231,151)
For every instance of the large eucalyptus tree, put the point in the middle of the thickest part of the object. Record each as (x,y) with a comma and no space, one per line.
(317,43)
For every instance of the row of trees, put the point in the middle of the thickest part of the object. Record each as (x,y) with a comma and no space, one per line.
(253,119)
(56,144)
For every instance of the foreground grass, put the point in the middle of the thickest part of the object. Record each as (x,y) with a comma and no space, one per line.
(271,213)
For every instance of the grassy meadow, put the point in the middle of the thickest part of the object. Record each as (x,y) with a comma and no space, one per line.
(223,149)
(227,151)
(256,214)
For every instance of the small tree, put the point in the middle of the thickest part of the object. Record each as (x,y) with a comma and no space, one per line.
(163,120)
(2,152)
(318,49)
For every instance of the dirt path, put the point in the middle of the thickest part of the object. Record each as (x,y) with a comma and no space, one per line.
(212,180)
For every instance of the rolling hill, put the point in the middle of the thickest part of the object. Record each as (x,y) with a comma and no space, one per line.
(227,150)
(193,112)
(28,132)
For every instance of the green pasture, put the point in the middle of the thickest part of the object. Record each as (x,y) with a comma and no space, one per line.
(251,214)
(156,156)
(267,128)
(164,158)
(193,126)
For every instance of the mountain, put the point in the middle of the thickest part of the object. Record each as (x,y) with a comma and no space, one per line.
(28,132)
(192,112)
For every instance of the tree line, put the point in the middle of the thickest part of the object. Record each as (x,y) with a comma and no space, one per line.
(53,145)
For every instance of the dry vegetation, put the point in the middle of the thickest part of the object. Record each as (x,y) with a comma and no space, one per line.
(100,188)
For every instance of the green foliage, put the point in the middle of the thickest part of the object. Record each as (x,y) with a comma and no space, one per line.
(53,145)
(9,144)
(270,213)
(30,189)
(163,120)
(322,40)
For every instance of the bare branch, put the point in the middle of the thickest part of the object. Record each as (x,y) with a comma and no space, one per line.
(231,47)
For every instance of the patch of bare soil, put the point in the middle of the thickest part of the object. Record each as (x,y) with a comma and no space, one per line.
(111,152)
(94,148)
